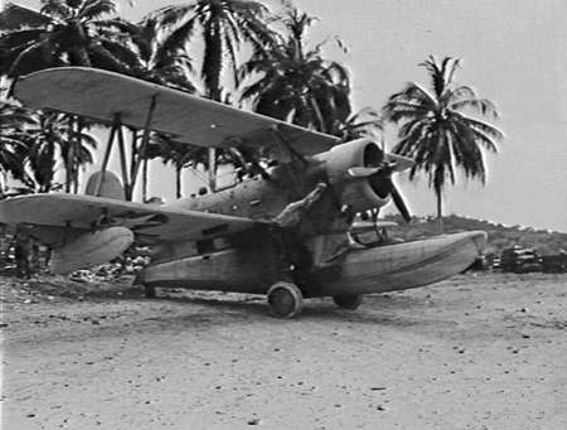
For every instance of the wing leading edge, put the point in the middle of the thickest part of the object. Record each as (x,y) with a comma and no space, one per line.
(100,94)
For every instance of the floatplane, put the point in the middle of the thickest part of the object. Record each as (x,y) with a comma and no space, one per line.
(285,229)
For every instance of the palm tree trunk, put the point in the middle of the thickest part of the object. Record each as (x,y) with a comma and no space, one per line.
(145,180)
(178,182)
(215,94)
(68,174)
(83,56)
(69,162)
(212,169)
(439,196)
(3,182)
(318,114)
(76,161)
(76,181)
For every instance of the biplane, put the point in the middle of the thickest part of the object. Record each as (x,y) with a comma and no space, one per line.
(284,229)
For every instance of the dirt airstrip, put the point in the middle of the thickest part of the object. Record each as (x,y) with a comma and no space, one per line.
(479,351)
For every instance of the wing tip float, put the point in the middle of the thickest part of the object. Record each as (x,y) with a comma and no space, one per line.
(90,249)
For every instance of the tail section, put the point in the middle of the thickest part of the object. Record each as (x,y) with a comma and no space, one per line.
(107,184)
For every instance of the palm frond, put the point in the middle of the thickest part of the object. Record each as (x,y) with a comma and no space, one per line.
(179,37)
(27,51)
(450,68)
(55,9)
(93,9)
(118,26)
(461,91)
(483,126)
(14,17)
(171,16)
(483,106)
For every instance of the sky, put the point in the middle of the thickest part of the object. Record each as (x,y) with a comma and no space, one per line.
(513,52)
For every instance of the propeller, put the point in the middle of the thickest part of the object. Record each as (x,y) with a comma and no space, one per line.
(383,173)
(399,200)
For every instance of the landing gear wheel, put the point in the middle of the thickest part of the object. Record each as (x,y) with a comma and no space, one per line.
(348,301)
(149,291)
(285,299)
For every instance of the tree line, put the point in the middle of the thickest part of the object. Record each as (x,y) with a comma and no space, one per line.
(232,51)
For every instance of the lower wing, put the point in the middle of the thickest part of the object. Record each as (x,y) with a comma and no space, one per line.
(87,230)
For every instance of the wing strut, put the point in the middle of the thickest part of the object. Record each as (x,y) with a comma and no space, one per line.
(292,152)
(123,165)
(107,152)
(145,140)
(293,155)
(116,129)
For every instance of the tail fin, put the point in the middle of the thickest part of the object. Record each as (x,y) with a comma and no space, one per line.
(110,186)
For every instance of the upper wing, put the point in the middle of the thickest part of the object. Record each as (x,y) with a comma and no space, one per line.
(101,94)
(55,214)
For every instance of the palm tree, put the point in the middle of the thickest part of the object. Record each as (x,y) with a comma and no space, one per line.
(62,32)
(297,84)
(365,123)
(13,148)
(181,156)
(159,57)
(224,26)
(155,56)
(44,138)
(76,150)
(51,137)
(31,143)
(437,131)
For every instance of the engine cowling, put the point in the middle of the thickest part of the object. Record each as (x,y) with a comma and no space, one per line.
(359,194)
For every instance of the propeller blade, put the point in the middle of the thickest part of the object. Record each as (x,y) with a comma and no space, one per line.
(399,201)
(400,162)
(363,172)
(396,163)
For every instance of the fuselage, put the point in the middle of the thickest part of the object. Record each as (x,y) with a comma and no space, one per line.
(251,197)
(315,254)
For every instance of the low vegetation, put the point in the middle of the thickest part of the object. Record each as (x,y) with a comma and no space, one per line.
(500,236)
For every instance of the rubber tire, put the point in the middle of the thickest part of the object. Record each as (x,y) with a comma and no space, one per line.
(350,302)
(285,300)
(149,291)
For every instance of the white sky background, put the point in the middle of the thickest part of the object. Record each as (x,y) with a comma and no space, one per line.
(514,52)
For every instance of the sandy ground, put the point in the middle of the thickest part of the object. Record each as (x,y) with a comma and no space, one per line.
(480,351)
